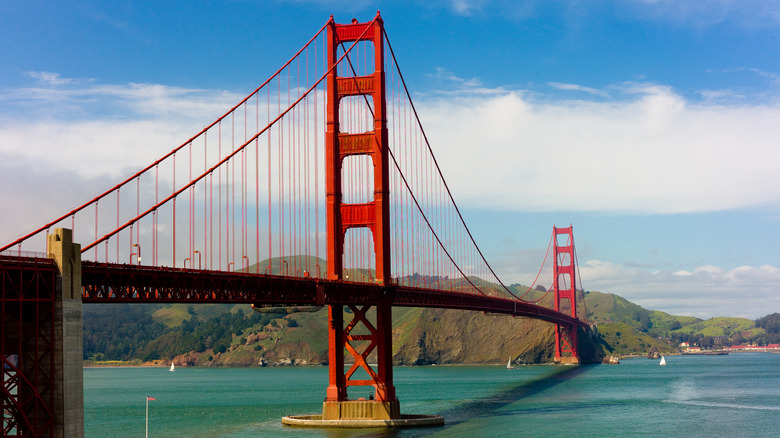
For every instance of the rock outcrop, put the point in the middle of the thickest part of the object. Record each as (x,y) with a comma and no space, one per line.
(611,360)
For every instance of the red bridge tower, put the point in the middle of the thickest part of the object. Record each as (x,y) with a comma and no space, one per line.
(373,215)
(565,283)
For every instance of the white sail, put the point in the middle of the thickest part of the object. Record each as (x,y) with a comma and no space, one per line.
(509,364)
(173,368)
(663,361)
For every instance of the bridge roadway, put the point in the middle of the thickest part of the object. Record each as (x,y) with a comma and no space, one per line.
(106,282)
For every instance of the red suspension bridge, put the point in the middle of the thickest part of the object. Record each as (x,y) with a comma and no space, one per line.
(318,188)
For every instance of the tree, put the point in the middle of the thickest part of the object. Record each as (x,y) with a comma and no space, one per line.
(770,323)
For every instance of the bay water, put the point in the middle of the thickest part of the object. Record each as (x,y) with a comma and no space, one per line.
(693,396)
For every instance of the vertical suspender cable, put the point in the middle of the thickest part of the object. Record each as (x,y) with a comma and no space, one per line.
(117,222)
(257,185)
(270,221)
(155,216)
(174,212)
(280,187)
(206,219)
(219,193)
(231,198)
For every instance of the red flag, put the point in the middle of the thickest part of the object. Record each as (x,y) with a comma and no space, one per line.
(150,398)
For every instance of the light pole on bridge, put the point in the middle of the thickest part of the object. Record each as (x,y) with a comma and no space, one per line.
(198,253)
(136,245)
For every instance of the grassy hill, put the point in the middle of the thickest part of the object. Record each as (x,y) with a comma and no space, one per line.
(237,335)
(722,326)
(420,336)
(606,308)
(663,323)
(622,338)
(224,335)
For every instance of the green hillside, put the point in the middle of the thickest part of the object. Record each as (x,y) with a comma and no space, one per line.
(223,335)
(622,338)
(663,323)
(174,314)
(607,308)
(722,326)
(237,335)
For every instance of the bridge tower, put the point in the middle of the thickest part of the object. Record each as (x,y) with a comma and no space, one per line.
(565,286)
(373,215)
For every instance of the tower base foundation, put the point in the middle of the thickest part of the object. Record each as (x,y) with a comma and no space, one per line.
(403,421)
(360,410)
(362,414)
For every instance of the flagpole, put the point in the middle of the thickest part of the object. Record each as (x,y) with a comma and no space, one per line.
(147,413)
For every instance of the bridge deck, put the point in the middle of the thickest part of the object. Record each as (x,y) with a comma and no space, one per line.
(103,282)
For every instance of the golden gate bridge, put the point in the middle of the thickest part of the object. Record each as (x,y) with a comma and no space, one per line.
(318,188)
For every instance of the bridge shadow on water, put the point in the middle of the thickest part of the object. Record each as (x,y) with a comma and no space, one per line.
(488,406)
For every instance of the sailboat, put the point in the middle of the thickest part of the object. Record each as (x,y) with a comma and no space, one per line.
(173,368)
(663,361)
(509,364)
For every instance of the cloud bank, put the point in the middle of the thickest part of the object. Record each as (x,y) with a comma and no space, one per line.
(649,151)
(746,291)
(91,129)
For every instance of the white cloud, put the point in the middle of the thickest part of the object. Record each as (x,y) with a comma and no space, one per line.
(62,143)
(38,192)
(92,129)
(649,151)
(467,7)
(708,291)
(84,99)
(575,87)
(49,78)
(773,77)
(705,292)
(447,75)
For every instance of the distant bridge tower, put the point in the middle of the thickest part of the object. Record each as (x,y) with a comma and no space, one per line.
(373,215)
(565,285)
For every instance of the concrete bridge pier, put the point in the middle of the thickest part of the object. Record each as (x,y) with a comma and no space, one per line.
(68,406)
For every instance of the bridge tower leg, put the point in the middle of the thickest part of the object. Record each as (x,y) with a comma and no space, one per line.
(41,348)
(565,283)
(27,347)
(373,215)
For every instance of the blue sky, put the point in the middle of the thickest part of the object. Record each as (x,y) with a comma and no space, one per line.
(650,125)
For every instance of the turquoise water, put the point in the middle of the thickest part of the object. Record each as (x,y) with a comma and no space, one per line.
(693,396)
